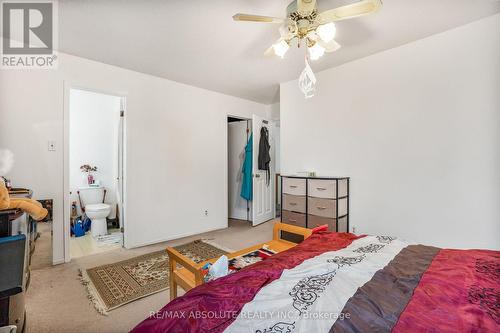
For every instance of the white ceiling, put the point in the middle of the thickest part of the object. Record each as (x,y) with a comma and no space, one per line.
(196,41)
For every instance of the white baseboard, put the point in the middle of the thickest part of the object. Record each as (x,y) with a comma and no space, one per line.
(161,240)
(57,261)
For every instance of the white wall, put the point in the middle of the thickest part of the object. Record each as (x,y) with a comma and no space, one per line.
(94,119)
(273,113)
(175,145)
(418,130)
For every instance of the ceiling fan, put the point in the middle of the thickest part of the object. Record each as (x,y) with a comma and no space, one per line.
(303,23)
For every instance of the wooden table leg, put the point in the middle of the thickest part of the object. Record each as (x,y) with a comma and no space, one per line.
(172,283)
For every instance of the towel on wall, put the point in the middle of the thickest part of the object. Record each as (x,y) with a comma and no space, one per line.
(247,186)
(264,156)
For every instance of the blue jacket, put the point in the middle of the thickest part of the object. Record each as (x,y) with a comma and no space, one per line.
(247,186)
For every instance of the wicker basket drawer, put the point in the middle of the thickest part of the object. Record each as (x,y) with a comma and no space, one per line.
(342,207)
(297,219)
(321,188)
(326,188)
(295,186)
(294,203)
(314,221)
(321,207)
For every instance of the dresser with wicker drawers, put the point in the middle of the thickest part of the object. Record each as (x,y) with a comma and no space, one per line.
(312,201)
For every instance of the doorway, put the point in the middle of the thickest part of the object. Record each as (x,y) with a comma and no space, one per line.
(239,186)
(251,192)
(95,172)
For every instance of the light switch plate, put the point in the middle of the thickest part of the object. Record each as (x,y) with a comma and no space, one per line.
(51,146)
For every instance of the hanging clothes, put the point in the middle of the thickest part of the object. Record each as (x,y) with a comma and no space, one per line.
(247,186)
(264,156)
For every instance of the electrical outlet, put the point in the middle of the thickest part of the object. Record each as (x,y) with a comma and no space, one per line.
(51,146)
(354,229)
(206,212)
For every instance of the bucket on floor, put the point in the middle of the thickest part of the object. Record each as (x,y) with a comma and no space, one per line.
(78,228)
(86,224)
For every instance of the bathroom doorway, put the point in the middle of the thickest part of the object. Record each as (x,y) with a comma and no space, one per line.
(95,173)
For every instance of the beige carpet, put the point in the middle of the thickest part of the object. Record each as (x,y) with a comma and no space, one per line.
(42,257)
(114,285)
(56,301)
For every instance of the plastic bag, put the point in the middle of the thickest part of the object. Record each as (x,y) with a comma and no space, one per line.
(218,269)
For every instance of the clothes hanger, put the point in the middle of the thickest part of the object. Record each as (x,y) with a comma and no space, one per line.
(264,122)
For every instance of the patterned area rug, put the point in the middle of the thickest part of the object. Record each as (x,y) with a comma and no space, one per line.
(111,286)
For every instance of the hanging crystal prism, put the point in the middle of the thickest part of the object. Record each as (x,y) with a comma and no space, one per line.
(307,81)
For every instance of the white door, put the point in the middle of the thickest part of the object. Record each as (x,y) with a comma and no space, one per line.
(263,188)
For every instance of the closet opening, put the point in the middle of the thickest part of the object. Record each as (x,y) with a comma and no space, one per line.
(239,160)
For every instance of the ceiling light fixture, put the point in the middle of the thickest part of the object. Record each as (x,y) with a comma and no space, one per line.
(280,48)
(307,81)
(306,25)
(316,51)
(326,32)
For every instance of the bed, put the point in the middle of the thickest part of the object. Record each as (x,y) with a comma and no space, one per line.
(340,282)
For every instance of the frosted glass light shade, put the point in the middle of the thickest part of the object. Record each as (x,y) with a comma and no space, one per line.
(326,32)
(316,51)
(281,48)
(307,81)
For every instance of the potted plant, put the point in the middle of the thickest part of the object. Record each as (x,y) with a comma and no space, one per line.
(89,169)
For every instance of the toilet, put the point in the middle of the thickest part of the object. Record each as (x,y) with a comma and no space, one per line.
(96,211)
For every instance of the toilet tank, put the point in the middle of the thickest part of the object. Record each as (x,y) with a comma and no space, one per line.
(91,195)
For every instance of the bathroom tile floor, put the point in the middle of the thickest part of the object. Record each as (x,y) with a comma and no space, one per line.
(86,245)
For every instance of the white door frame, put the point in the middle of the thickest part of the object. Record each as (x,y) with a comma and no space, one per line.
(67,86)
(226,172)
(226,162)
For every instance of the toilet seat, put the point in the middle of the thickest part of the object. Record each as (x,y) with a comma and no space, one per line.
(97,207)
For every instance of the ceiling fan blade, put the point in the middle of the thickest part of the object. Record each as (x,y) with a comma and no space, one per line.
(257,18)
(331,46)
(360,8)
(305,7)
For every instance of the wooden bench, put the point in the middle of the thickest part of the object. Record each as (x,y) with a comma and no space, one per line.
(187,274)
